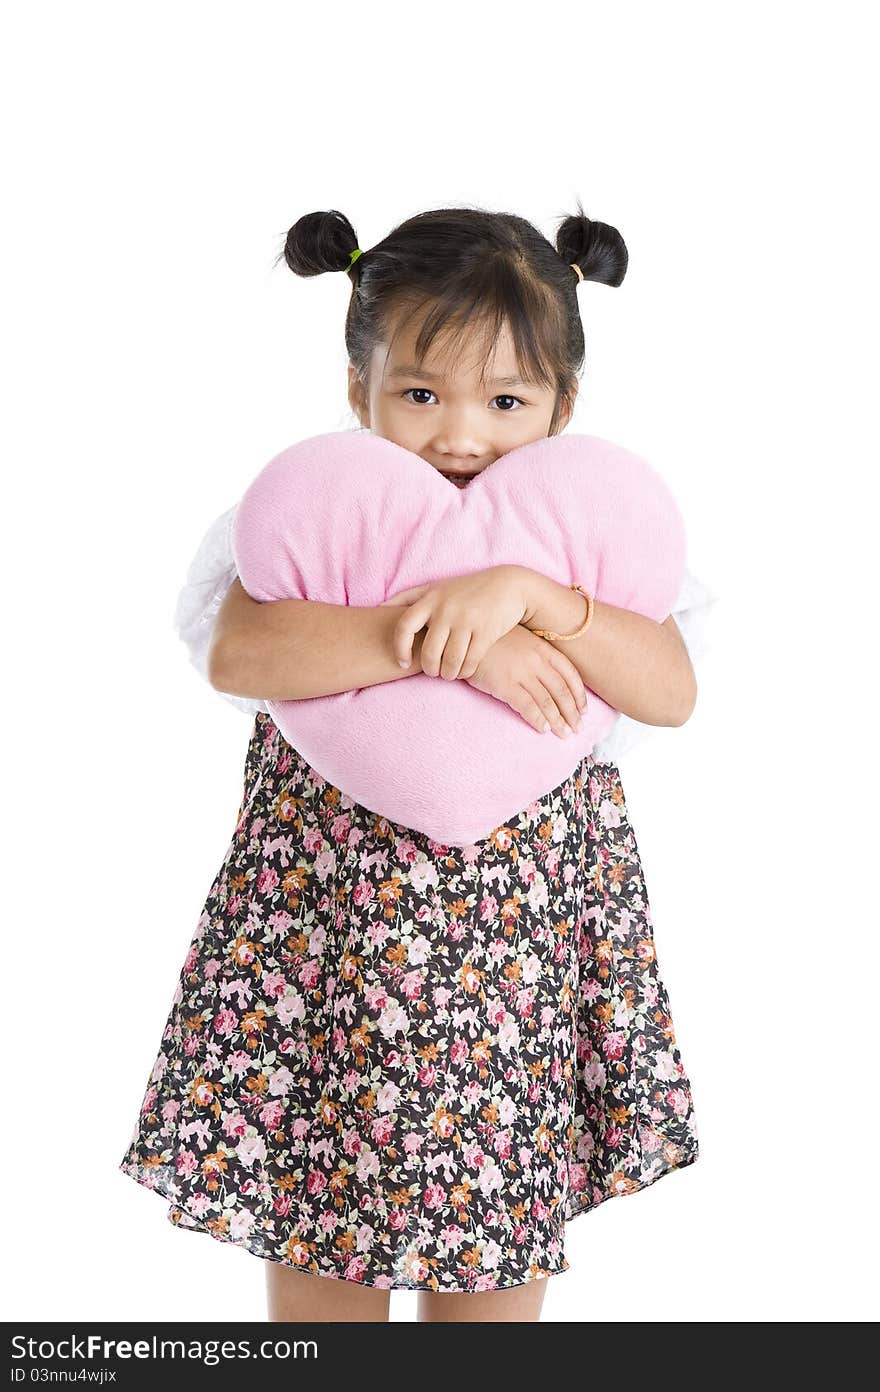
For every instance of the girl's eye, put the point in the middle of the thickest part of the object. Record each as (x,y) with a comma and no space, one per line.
(428,392)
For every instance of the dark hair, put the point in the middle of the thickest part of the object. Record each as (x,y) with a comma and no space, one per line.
(466,264)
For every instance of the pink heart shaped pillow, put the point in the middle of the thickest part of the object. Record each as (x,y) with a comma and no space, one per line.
(351,518)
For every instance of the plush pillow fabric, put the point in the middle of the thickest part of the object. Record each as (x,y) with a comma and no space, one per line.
(351,518)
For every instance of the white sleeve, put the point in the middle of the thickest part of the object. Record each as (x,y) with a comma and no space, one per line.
(691,613)
(211,572)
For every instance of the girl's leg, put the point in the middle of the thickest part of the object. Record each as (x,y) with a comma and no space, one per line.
(516,1304)
(301,1296)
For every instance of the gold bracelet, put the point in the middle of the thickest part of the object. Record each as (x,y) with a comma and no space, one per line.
(564,637)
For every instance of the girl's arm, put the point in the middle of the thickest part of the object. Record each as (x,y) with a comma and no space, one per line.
(640,667)
(291,649)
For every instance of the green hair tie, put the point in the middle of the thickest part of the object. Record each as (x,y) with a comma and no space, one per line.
(354,256)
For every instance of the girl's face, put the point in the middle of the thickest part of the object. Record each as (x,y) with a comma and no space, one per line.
(443,413)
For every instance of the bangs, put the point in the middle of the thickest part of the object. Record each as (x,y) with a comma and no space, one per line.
(494,294)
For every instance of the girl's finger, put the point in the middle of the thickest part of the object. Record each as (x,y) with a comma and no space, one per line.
(525,703)
(562,693)
(473,657)
(405,596)
(455,653)
(572,677)
(433,645)
(546,702)
(414,617)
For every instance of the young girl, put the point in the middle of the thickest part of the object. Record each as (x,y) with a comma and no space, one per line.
(392,1063)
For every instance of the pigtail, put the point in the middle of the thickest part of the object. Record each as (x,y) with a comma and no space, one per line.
(597,248)
(319,242)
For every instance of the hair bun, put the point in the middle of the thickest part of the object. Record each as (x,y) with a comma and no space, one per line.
(596,247)
(319,242)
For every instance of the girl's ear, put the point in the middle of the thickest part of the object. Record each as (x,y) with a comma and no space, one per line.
(357,397)
(566,410)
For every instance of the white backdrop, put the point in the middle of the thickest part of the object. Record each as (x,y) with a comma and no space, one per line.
(154,361)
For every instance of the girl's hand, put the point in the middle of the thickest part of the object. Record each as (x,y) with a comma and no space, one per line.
(464,617)
(535,679)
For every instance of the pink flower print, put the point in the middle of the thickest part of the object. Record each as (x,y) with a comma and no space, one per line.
(316,1181)
(382,1129)
(577,1174)
(240,1225)
(340,826)
(527,870)
(525,1004)
(309,975)
(397,1220)
(613,1137)
(300,1128)
(313,840)
(281,1081)
(491,1255)
(267,880)
(678,1101)
(170,1109)
(650,1141)
(614,1044)
(325,865)
(239,1062)
(251,1150)
(376,997)
(594,1073)
(488,908)
(459,1051)
(225,1023)
(280,923)
(411,985)
(502,1145)
(496,1012)
(419,950)
(405,851)
(490,1179)
(235,1125)
(435,1196)
(281,1204)
(453,1236)
(427,1075)
(422,875)
(187,1164)
(191,1045)
(274,984)
(356,1269)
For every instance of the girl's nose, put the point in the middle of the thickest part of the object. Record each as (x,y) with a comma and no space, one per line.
(458,444)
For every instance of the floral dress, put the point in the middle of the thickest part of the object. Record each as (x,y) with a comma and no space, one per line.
(406,1064)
